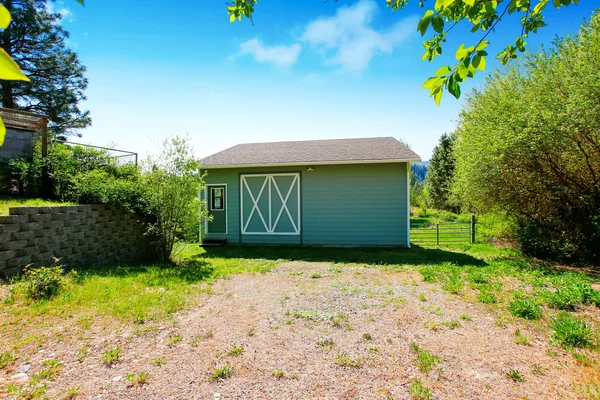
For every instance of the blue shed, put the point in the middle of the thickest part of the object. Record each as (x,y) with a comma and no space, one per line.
(343,192)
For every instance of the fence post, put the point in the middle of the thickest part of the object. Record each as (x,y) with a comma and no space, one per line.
(472,228)
(437,229)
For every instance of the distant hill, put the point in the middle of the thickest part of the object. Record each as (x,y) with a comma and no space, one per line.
(420,169)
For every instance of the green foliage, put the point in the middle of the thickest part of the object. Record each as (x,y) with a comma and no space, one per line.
(425,360)
(222,373)
(173,181)
(345,360)
(137,379)
(570,331)
(440,175)
(112,356)
(515,375)
(38,43)
(418,391)
(6,358)
(44,282)
(527,144)
(525,307)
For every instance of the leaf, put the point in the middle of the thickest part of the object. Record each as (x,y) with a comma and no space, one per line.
(429,83)
(469,2)
(479,62)
(9,70)
(424,22)
(437,96)
(482,45)
(556,3)
(438,24)
(4,17)
(2,132)
(454,87)
(462,52)
(443,71)
(232,18)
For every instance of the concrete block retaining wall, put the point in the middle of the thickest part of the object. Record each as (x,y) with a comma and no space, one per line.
(78,235)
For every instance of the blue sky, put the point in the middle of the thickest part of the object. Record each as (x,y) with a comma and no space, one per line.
(306,69)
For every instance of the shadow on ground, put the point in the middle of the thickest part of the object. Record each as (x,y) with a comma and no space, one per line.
(389,256)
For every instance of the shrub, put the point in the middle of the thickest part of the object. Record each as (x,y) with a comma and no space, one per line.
(570,331)
(43,282)
(418,391)
(525,307)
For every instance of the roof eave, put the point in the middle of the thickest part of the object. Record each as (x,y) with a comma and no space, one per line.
(299,164)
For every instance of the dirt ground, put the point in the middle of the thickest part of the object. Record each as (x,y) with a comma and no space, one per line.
(293,325)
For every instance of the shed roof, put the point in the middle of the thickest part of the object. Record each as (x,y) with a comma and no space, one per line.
(334,151)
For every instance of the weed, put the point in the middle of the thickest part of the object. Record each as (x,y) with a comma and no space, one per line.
(174,339)
(82,353)
(195,341)
(235,351)
(487,297)
(32,391)
(426,361)
(515,375)
(367,336)
(316,276)
(222,373)
(418,391)
(422,297)
(345,360)
(525,307)
(479,278)
(452,324)
(537,369)
(336,270)
(431,325)
(278,373)
(72,393)
(566,298)
(583,359)
(7,358)
(137,379)
(310,315)
(373,348)
(251,332)
(501,321)
(159,361)
(112,356)
(465,317)
(52,368)
(297,273)
(44,282)
(521,339)
(325,342)
(454,284)
(209,335)
(570,331)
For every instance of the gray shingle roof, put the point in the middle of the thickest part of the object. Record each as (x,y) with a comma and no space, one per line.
(341,151)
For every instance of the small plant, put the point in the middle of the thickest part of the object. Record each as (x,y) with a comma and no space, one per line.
(325,342)
(583,359)
(297,273)
(73,393)
(222,373)
(345,360)
(52,368)
(159,361)
(422,297)
(452,324)
(235,351)
(515,375)
(44,282)
(525,307)
(7,358)
(537,369)
(367,336)
(465,317)
(521,339)
(174,339)
(251,332)
(112,356)
(335,270)
(487,297)
(373,348)
(137,379)
(566,298)
(418,391)
(278,373)
(311,315)
(195,341)
(316,275)
(426,361)
(82,353)
(454,284)
(33,391)
(570,331)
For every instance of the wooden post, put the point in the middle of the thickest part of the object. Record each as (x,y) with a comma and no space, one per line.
(437,233)
(472,228)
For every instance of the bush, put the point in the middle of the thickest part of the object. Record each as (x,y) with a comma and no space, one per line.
(44,282)
(525,307)
(570,331)
(566,298)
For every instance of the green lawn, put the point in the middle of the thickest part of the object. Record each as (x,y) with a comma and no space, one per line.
(8,202)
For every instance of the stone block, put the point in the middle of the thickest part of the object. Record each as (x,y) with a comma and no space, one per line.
(5,237)
(75,236)
(32,226)
(7,255)
(27,251)
(52,224)
(59,217)
(60,253)
(45,233)
(13,245)
(23,210)
(13,219)
(22,235)
(18,262)
(40,217)
(44,258)
(45,248)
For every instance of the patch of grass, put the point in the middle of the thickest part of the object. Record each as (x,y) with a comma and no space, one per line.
(335,270)
(278,373)
(454,284)
(525,307)
(137,379)
(515,375)
(316,276)
(583,359)
(235,351)
(174,339)
(465,317)
(345,360)
(452,324)
(32,391)
(570,331)
(418,391)
(422,297)
(325,342)
(159,361)
(112,356)
(487,297)
(5,204)
(521,339)
(251,332)
(6,358)
(537,369)
(52,368)
(367,336)
(566,298)
(311,315)
(73,393)
(425,360)
(222,373)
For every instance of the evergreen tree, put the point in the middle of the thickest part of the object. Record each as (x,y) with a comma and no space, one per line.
(36,41)
(440,174)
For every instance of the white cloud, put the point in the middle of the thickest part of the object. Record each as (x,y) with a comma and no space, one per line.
(349,41)
(281,56)
(64,12)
